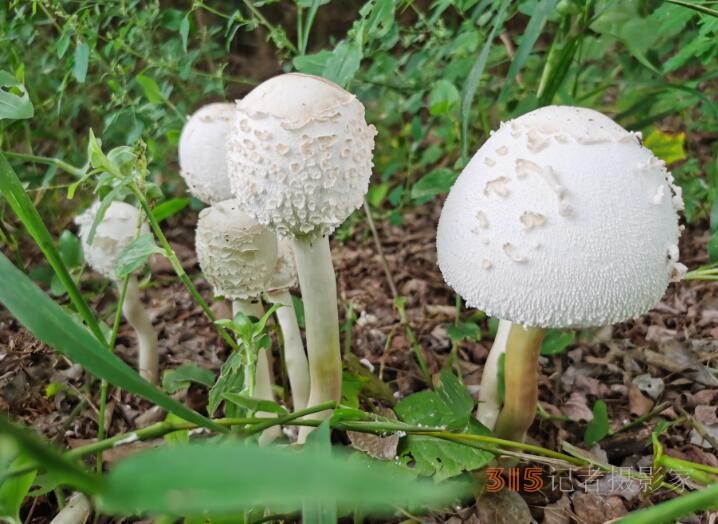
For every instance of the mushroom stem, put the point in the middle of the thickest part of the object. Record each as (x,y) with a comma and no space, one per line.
(319,292)
(521,382)
(76,511)
(294,356)
(260,384)
(489,401)
(136,315)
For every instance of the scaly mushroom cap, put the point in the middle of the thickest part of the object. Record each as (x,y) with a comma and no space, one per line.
(237,255)
(300,155)
(561,219)
(202,152)
(113,234)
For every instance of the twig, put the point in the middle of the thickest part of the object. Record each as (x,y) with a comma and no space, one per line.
(380,250)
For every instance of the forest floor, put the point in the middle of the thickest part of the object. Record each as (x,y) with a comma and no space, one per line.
(638,367)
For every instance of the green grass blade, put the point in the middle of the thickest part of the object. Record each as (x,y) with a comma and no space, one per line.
(472,82)
(50,324)
(528,40)
(211,479)
(678,507)
(49,458)
(22,206)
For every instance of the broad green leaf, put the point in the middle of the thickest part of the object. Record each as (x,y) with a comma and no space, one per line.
(150,89)
(170,208)
(254,404)
(556,342)
(14,490)
(180,378)
(135,255)
(48,458)
(70,249)
(319,444)
(437,182)
(231,380)
(207,479)
(377,193)
(82,59)
(15,103)
(313,64)
(433,457)
(666,146)
(344,63)
(51,325)
(380,19)
(184,31)
(444,98)
(598,428)
(464,331)
(11,188)
(456,397)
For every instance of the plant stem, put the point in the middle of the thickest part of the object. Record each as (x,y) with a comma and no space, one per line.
(136,315)
(295,357)
(319,291)
(521,380)
(489,401)
(674,509)
(177,266)
(60,164)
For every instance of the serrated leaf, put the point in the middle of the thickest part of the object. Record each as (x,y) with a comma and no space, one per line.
(598,428)
(82,60)
(179,378)
(437,182)
(556,342)
(669,147)
(15,101)
(135,255)
(434,457)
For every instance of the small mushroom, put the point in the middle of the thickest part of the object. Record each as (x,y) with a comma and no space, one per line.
(608,260)
(120,225)
(299,160)
(201,152)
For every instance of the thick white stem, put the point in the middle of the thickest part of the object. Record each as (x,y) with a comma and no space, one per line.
(136,315)
(294,356)
(263,372)
(319,292)
(75,512)
(489,403)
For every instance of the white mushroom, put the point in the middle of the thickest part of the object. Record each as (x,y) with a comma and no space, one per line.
(299,161)
(202,152)
(121,224)
(608,246)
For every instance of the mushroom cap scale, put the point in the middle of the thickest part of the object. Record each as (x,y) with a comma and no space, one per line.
(116,230)
(202,152)
(238,257)
(561,219)
(300,155)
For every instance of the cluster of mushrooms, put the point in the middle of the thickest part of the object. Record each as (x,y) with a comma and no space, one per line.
(562,219)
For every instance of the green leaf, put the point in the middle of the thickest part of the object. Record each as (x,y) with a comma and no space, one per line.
(712,247)
(501,377)
(674,509)
(530,35)
(231,380)
(180,378)
(434,457)
(598,428)
(254,404)
(666,146)
(170,208)
(556,342)
(456,397)
(313,64)
(184,31)
(82,59)
(344,63)
(464,331)
(444,98)
(150,89)
(377,193)
(209,479)
(15,101)
(51,325)
(14,490)
(47,457)
(437,182)
(319,444)
(70,249)
(135,255)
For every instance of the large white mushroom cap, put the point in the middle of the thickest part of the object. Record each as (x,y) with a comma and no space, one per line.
(116,230)
(238,256)
(561,219)
(300,155)
(202,152)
